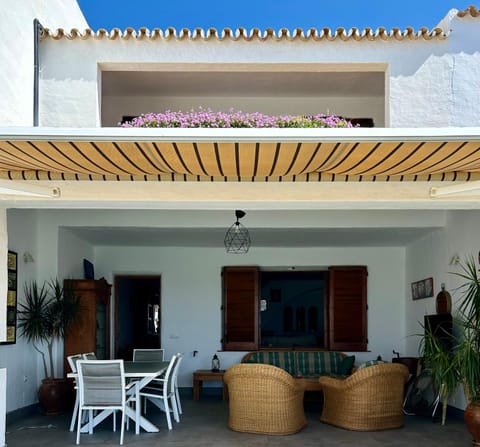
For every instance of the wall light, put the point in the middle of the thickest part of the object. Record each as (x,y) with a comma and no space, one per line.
(454,189)
(10,187)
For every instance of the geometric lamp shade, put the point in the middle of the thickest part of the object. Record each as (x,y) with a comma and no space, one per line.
(237,239)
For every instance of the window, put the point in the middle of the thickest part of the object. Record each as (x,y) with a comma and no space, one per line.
(302,309)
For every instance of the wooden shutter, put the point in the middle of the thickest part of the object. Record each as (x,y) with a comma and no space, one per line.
(348,308)
(240,308)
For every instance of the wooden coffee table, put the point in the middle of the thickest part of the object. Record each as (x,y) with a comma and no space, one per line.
(201,375)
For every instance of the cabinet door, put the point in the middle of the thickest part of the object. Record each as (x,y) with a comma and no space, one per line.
(92,331)
(240,308)
(348,308)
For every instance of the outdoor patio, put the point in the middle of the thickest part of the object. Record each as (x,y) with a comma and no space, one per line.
(204,423)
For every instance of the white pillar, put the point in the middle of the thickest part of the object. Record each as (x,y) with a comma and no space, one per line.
(3,274)
(3,404)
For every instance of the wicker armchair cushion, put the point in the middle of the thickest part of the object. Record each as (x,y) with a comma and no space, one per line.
(264,399)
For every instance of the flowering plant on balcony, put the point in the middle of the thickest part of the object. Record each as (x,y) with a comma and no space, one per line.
(236,119)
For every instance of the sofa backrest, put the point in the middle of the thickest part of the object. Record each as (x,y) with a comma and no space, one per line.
(318,362)
(282,359)
(304,362)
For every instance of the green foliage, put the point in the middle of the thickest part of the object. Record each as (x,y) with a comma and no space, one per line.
(459,364)
(45,316)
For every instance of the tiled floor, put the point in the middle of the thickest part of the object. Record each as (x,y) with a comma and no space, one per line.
(204,424)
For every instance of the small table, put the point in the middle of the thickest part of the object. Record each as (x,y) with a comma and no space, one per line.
(202,375)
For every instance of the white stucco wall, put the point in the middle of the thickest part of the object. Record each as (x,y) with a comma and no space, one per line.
(16,52)
(431,82)
(431,257)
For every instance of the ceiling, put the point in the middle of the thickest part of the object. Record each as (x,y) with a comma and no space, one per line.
(242,84)
(260,237)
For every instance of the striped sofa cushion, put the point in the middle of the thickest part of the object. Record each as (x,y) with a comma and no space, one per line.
(317,363)
(282,359)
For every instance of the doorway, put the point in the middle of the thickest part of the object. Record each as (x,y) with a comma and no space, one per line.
(137,314)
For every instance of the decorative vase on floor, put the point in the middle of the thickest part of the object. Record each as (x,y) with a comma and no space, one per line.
(53,396)
(472,421)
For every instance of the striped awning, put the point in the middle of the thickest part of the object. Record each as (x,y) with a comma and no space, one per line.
(358,154)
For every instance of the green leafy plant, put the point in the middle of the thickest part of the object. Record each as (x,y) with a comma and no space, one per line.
(45,316)
(456,360)
(467,349)
(438,360)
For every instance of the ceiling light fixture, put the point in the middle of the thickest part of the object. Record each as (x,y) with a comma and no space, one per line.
(237,239)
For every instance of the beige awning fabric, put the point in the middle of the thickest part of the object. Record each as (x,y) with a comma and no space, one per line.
(356,154)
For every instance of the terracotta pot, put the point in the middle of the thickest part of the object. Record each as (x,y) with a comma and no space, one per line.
(53,396)
(472,421)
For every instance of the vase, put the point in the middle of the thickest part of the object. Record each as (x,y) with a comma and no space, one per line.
(472,421)
(53,396)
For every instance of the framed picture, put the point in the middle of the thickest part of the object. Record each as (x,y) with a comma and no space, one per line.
(11,310)
(422,289)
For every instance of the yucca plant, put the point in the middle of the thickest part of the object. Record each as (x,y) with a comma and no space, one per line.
(467,349)
(454,359)
(438,359)
(45,316)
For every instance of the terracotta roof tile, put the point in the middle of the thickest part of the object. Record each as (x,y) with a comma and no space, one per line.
(470,11)
(255,34)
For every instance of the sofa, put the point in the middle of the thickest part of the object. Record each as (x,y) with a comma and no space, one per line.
(369,399)
(305,366)
(264,399)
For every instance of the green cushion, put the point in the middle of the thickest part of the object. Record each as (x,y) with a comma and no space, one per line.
(345,367)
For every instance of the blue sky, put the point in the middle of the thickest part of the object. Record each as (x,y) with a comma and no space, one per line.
(264,14)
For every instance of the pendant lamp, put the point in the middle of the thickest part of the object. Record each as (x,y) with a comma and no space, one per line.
(237,239)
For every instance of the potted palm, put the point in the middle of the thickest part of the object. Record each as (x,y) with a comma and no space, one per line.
(43,320)
(467,349)
(457,362)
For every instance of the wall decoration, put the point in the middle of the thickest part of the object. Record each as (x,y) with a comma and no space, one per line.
(422,289)
(11,299)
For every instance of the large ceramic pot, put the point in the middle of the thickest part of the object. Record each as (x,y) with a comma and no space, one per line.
(472,421)
(53,396)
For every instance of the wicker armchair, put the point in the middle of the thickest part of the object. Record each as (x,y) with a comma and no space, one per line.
(264,399)
(370,399)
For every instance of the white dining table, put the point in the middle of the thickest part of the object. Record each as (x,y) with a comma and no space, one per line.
(141,374)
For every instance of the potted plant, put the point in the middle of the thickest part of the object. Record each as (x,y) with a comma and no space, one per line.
(457,362)
(467,349)
(438,359)
(43,320)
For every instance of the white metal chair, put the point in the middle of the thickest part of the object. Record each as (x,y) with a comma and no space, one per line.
(148,355)
(72,362)
(160,393)
(175,384)
(101,386)
(89,356)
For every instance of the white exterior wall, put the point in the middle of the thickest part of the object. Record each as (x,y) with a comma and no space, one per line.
(430,257)
(16,52)
(430,81)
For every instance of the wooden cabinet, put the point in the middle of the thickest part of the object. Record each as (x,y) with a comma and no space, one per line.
(91,333)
